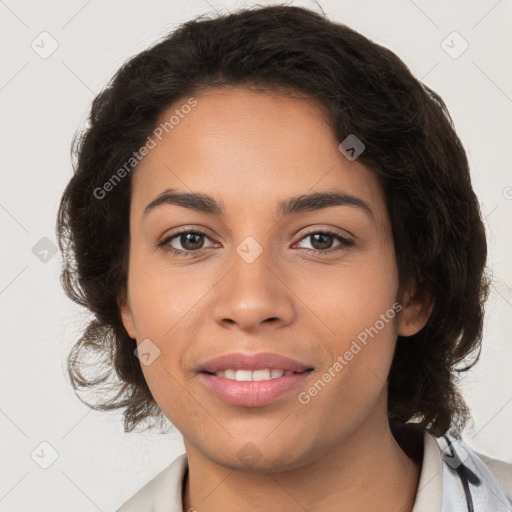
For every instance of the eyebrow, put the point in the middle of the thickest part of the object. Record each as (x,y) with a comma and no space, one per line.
(205,203)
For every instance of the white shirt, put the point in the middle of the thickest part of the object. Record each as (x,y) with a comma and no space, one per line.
(440,487)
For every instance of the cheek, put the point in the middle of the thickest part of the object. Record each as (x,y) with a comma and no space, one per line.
(358,305)
(163,307)
(162,297)
(352,297)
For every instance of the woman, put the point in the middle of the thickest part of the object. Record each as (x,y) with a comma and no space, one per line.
(273,223)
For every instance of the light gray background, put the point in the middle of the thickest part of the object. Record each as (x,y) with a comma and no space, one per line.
(44,100)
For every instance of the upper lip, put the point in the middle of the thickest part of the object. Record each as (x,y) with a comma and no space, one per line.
(244,361)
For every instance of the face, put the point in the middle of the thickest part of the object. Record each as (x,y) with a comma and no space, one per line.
(314,281)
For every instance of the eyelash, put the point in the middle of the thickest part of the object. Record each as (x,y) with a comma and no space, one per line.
(345,242)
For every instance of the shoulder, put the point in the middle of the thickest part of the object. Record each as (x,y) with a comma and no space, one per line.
(501,471)
(163,493)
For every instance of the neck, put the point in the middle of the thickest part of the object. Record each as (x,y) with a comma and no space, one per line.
(366,471)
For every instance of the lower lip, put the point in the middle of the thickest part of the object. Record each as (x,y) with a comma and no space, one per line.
(252,393)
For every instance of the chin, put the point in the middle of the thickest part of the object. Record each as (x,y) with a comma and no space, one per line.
(261,457)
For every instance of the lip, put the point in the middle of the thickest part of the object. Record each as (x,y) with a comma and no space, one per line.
(244,361)
(253,393)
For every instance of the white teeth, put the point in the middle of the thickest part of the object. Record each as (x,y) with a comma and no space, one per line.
(243,375)
(256,375)
(261,374)
(229,374)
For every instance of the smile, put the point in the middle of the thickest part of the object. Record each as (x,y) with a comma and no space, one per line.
(252,388)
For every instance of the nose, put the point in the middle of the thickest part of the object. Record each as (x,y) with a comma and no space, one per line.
(254,294)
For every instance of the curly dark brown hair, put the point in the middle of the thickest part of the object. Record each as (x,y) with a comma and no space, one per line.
(411,145)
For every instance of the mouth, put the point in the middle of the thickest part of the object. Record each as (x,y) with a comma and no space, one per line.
(252,379)
(253,388)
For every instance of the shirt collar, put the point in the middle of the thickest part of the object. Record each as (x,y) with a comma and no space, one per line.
(429,496)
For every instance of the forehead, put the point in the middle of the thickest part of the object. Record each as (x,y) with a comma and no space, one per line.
(249,148)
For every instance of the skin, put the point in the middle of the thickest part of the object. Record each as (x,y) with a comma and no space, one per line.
(250,150)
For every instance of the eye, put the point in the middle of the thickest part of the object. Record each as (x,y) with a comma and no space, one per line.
(322,241)
(192,242)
